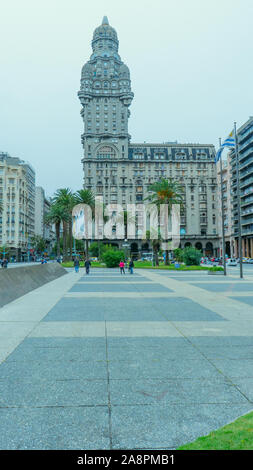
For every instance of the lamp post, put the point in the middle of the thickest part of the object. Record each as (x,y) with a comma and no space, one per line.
(126,245)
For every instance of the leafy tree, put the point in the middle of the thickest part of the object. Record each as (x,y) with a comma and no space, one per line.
(38,243)
(191,256)
(178,254)
(112,258)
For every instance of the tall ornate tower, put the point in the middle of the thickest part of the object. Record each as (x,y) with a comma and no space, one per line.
(105,95)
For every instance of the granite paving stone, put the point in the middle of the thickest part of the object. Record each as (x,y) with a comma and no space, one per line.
(115,287)
(188,391)
(168,426)
(54,369)
(225,287)
(162,368)
(127,349)
(44,392)
(235,367)
(214,341)
(245,300)
(111,309)
(54,428)
(124,362)
(245,386)
(59,349)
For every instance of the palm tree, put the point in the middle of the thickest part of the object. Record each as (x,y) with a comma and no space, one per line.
(85,196)
(56,215)
(155,246)
(166,192)
(66,199)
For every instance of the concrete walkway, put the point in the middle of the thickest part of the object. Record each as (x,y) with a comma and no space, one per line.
(145,361)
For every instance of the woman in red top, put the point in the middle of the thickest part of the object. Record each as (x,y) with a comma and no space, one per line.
(122,267)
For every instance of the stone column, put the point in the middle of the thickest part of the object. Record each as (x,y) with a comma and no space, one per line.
(243,247)
(251,247)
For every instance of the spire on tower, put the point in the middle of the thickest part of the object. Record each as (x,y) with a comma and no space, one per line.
(105,20)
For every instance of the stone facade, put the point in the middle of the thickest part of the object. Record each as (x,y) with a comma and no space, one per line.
(17,198)
(227,205)
(122,171)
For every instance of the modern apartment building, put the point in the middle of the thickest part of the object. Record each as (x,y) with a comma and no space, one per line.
(122,171)
(245,150)
(17,199)
(42,207)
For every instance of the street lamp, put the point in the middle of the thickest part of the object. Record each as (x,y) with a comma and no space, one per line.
(126,245)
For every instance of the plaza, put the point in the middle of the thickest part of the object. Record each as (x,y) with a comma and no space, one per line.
(110,361)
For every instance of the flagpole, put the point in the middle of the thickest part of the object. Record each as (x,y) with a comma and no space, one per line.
(222,216)
(238,201)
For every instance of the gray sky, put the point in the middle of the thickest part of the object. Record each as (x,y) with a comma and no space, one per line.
(190,63)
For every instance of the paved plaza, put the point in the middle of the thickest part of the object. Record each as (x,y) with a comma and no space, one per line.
(108,361)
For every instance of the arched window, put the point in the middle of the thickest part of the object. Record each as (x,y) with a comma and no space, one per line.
(106,152)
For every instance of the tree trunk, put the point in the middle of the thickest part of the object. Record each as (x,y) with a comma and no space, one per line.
(70,239)
(155,250)
(64,241)
(87,249)
(167,257)
(57,232)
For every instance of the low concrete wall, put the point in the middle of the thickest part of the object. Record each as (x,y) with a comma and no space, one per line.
(15,282)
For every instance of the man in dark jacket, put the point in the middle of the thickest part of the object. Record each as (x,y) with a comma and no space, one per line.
(87,266)
(131,267)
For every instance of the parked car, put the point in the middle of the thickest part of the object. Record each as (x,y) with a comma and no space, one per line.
(232,262)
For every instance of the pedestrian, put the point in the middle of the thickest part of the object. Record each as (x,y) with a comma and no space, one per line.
(131,266)
(122,267)
(76,264)
(87,266)
(5,263)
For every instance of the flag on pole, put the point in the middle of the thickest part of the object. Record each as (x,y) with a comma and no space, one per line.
(228,142)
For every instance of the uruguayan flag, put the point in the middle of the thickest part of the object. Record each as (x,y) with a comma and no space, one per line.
(228,142)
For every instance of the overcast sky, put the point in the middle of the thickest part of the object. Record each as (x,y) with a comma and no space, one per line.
(190,63)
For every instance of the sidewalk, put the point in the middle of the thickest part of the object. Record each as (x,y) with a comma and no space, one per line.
(107,361)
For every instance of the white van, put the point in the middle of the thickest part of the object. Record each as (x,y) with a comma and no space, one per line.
(231,262)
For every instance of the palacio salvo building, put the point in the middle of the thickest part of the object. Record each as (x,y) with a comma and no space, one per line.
(122,171)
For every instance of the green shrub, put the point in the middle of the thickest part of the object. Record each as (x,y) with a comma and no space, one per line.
(178,254)
(216,268)
(112,258)
(191,256)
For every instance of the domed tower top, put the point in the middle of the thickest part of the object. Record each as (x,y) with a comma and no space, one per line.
(105,38)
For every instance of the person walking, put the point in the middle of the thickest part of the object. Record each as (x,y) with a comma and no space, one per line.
(87,266)
(5,263)
(76,265)
(131,266)
(122,267)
